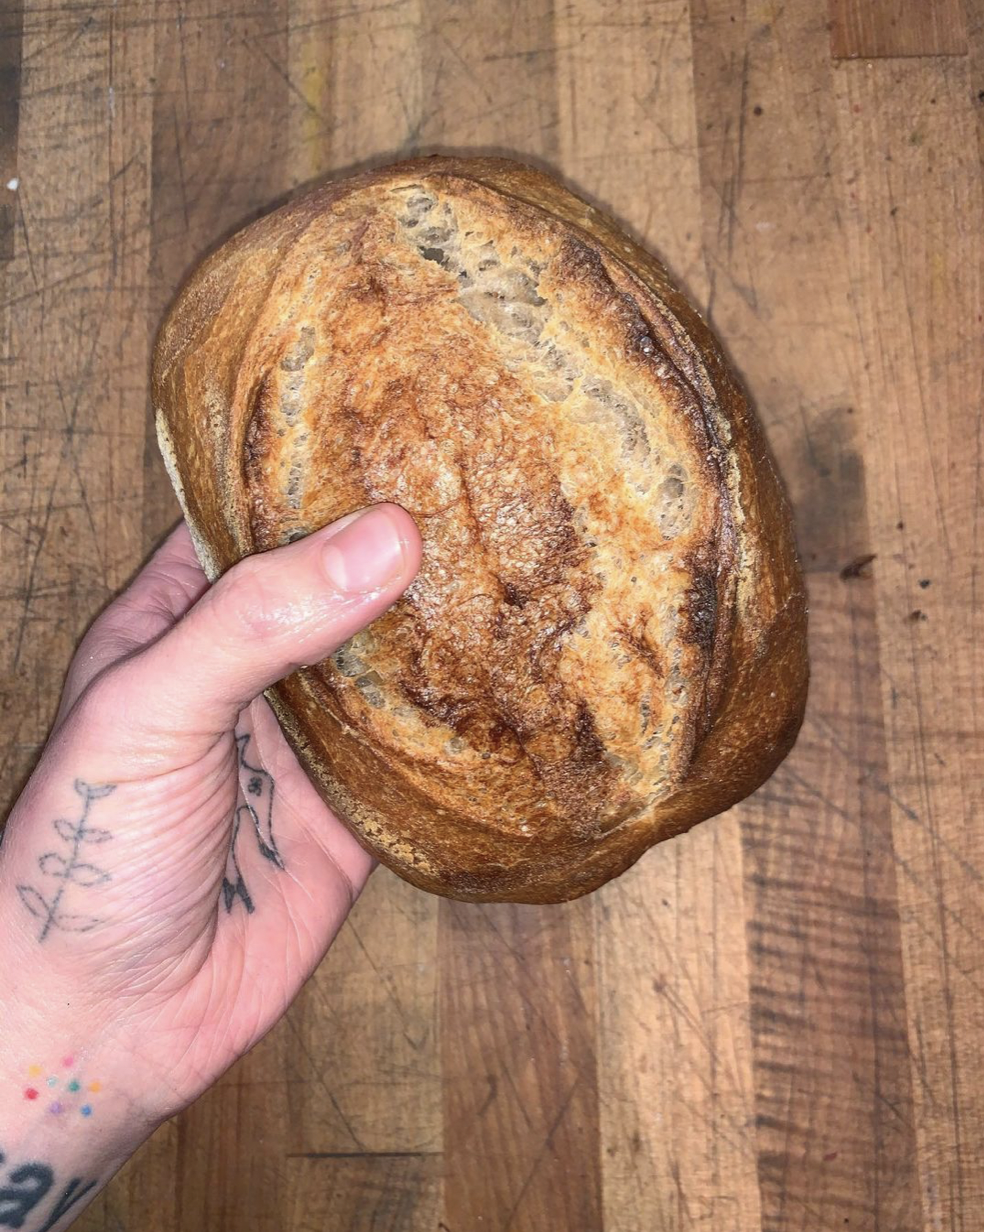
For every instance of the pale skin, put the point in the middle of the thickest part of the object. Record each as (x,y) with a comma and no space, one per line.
(143,951)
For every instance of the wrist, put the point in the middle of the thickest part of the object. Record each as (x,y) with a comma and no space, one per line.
(67,1123)
(71,1102)
(76,1067)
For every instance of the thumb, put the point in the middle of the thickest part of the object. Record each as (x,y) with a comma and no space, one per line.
(270,614)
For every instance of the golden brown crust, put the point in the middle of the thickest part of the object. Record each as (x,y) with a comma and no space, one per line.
(606,641)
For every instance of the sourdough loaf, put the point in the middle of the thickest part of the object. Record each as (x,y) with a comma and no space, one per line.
(606,640)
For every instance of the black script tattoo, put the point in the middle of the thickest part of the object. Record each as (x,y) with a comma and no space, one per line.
(256,814)
(24,1187)
(21,1190)
(73,1192)
(69,868)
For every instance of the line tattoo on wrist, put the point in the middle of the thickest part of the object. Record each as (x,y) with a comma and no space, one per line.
(69,868)
(25,1186)
(256,814)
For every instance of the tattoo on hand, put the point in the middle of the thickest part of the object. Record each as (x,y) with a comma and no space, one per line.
(70,1089)
(257,812)
(24,1187)
(69,868)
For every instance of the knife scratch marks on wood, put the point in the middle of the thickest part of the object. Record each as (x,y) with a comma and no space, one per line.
(328,124)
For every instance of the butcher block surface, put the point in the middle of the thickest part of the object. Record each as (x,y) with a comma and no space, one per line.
(775,1021)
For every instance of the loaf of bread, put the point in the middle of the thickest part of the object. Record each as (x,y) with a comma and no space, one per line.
(606,642)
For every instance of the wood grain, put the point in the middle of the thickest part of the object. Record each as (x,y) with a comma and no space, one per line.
(362,1193)
(518,1014)
(11,53)
(883,28)
(835,1141)
(775,1021)
(920,388)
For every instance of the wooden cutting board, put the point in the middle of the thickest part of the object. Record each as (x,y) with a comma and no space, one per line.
(776,1021)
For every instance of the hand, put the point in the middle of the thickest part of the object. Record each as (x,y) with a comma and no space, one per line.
(169,877)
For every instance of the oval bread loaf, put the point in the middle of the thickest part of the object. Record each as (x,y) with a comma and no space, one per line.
(606,642)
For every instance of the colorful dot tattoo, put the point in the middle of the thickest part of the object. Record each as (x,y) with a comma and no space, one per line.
(72,1085)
